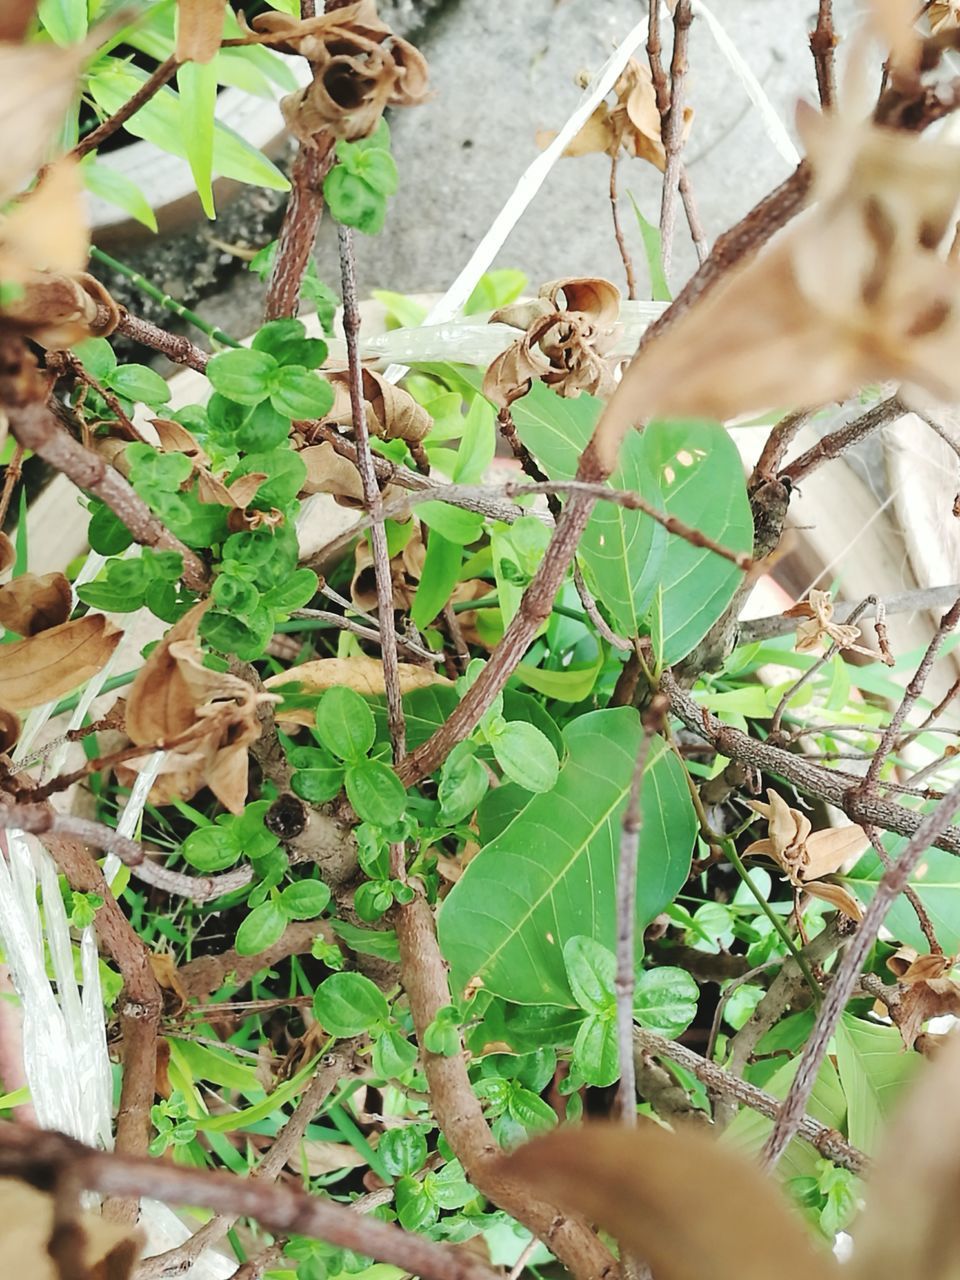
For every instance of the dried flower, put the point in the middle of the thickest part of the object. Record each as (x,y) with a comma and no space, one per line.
(805,855)
(818,630)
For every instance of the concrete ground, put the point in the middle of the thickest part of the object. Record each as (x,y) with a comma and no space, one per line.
(502,70)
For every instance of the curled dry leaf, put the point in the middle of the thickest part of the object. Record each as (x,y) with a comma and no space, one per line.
(391,412)
(328,472)
(570,331)
(101,1250)
(205,720)
(639,1184)
(633,122)
(199,29)
(50,664)
(58,310)
(46,229)
(363,675)
(9,730)
(927,990)
(164,968)
(405,570)
(359,69)
(854,292)
(173,437)
(35,602)
(818,630)
(8,552)
(805,856)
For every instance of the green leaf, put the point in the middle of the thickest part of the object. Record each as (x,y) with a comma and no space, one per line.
(368,942)
(286,475)
(197,84)
(347,1004)
(463,784)
(936,880)
(393,1055)
(572,684)
(701,480)
(242,375)
(261,929)
(551,874)
(378,170)
(137,382)
(97,357)
(659,289)
(345,724)
(66,20)
(353,202)
(298,590)
(665,1000)
(158,121)
(452,523)
(439,576)
(300,393)
(111,185)
(874,1068)
(211,849)
(595,1051)
(622,550)
(526,756)
(416,1209)
(402,1150)
(305,900)
(591,972)
(375,791)
(495,289)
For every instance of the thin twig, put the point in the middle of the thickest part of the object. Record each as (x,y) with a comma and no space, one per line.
(175,346)
(697,234)
(365,633)
(821,1137)
(625,980)
(11,476)
(373,498)
(778,624)
(823,44)
(911,895)
(832,446)
(776,446)
(34,1154)
(844,984)
(618,229)
(151,86)
(673,129)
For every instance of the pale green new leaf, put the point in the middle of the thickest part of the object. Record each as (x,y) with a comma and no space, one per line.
(874,1068)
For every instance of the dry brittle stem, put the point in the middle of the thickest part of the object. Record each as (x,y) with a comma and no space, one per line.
(141,1003)
(823,44)
(778,624)
(10,479)
(458,1111)
(929,720)
(151,86)
(373,498)
(697,233)
(833,785)
(618,229)
(66,365)
(912,692)
(847,976)
(777,443)
(673,129)
(175,346)
(299,228)
(838,442)
(37,1156)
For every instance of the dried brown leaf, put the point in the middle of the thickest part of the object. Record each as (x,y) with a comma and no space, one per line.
(59,310)
(48,228)
(360,68)
(363,675)
(105,1250)
(643,1185)
(329,472)
(944,14)
(591,296)
(855,292)
(35,602)
(910,1227)
(199,29)
(8,552)
(836,895)
(9,730)
(161,704)
(511,373)
(325,1157)
(164,969)
(392,413)
(405,569)
(828,850)
(175,438)
(50,664)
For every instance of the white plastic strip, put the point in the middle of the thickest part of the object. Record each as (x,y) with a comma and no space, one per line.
(776,130)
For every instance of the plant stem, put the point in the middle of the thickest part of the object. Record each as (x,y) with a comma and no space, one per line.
(165,300)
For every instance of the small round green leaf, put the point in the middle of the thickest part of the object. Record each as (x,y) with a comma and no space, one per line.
(526,755)
(665,1000)
(347,1004)
(463,784)
(261,929)
(300,393)
(211,849)
(376,793)
(402,1150)
(591,972)
(393,1055)
(242,375)
(305,900)
(345,724)
(595,1050)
